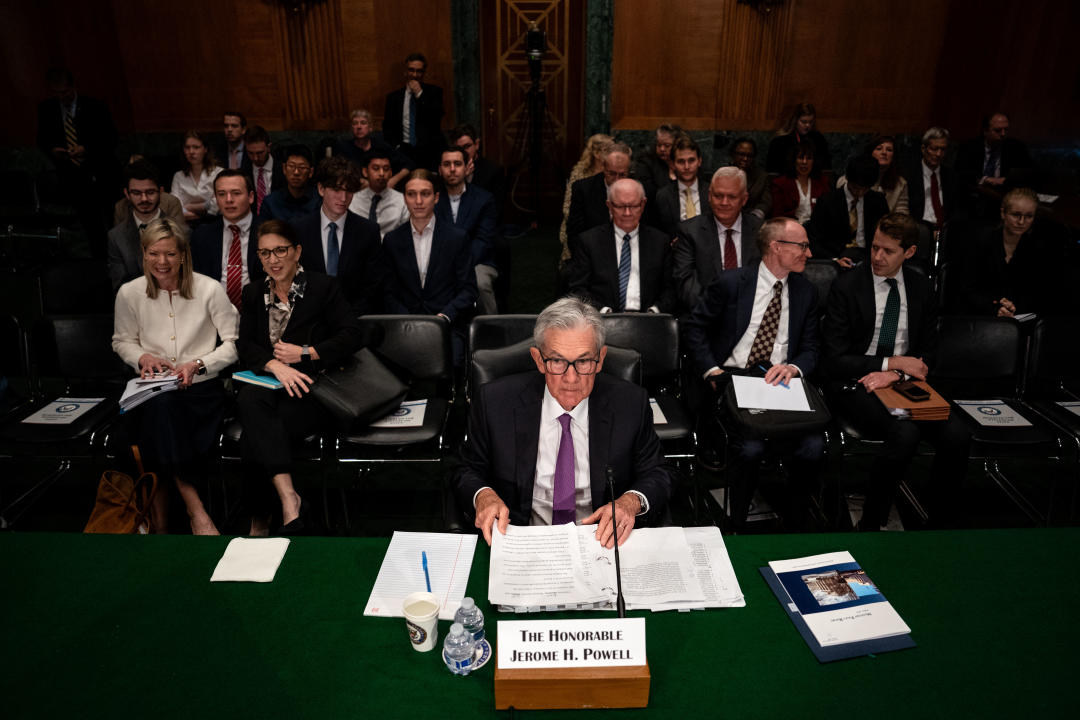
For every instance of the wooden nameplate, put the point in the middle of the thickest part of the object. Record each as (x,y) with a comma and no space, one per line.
(578,687)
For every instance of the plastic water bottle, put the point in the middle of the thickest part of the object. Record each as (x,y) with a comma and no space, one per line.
(458,650)
(470,616)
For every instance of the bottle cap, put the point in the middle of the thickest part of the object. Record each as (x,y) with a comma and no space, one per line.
(468,603)
(457,628)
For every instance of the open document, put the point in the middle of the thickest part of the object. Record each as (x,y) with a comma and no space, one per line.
(754,392)
(449,556)
(564,567)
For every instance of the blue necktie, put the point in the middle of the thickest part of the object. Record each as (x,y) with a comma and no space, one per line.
(412,119)
(332,250)
(624,271)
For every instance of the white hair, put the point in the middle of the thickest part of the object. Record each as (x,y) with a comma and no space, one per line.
(730,171)
(568,313)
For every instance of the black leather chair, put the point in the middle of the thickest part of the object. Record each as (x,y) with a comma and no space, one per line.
(493,363)
(821,274)
(77,287)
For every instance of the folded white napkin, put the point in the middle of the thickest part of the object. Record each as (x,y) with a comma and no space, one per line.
(250,560)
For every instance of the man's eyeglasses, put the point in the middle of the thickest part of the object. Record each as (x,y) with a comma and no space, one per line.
(804,246)
(559,366)
(144,193)
(626,208)
(279,251)
(297,168)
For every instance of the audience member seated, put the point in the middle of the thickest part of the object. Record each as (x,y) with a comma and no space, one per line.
(339,242)
(168,204)
(762,316)
(293,325)
(590,163)
(844,218)
(655,166)
(991,157)
(225,248)
(142,192)
(744,157)
(232,152)
(797,191)
(430,263)
(688,195)
(531,438)
(725,238)
(890,182)
(413,115)
(297,197)
(259,161)
(377,201)
(880,329)
(931,185)
(193,184)
(798,130)
(363,141)
(624,266)
(1013,268)
(470,208)
(588,197)
(480,171)
(176,321)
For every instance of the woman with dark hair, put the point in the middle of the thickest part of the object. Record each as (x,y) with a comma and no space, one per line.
(797,131)
(890,182)
(292,325)
(193,185)
(170,321)
(795,193)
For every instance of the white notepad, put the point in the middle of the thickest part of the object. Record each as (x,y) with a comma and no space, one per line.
(450,557)
(250,560)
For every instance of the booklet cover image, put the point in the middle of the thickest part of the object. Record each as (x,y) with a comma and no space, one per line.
(830,588)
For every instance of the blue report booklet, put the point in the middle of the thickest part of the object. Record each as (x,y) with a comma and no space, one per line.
(836,607)
(266,381)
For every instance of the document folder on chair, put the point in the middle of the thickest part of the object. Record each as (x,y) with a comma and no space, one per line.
(933,408)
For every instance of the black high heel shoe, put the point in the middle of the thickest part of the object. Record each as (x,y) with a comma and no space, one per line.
(298,525)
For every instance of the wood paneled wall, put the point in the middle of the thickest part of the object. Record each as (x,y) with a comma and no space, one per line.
(899,66)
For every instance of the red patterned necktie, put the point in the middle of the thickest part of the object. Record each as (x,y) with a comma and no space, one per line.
(234,275)
(260,190)
(762,348)
(935,200)
(731,260)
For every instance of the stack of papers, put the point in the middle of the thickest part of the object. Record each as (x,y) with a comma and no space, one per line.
(139,390)
(564,567)
(449,556)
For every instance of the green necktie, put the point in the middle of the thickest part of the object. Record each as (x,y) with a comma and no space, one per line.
(889,320)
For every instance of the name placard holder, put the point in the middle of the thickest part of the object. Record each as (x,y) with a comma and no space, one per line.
(564,664)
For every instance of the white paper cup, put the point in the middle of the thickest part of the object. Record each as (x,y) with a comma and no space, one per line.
(422,620)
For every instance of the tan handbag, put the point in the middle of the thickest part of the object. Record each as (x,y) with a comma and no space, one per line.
(123,504)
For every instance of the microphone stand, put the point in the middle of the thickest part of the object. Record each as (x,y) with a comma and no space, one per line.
(620,601)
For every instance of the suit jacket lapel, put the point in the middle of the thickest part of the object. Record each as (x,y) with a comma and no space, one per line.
(345,248)
(914,313)
(600,423)
(526,444)
(745,301)
(796,297)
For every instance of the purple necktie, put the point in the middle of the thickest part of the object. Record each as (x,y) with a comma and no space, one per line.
(562,499)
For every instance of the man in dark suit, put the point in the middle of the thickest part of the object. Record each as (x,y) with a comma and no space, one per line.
(266,171)
(932,186)
(231,153)
(411,120)
(219,248)
(989,158)
(844,219)
(688,196)
(763,315)
(472,209)
(588,196)
(76,132)
(539,445)
(143,193)
(725,238)
(340,243)
(481,171)
(596,272)
(430,266)
(880,329)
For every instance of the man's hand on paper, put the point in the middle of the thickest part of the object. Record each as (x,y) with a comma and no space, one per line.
(626,509)
(489,509)
(781,374)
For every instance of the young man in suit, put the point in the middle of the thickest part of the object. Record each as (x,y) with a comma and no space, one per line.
(539,444)
(844,219)
(430,267)
(879,330)
(479,171)
(377,201)
(340,243)
(688,196)
(413,114)
(763,315)
(471,208)
(725,238)
(588,196)
(232,154)
(624,266)
(143,193)
(226,249)
(266,171)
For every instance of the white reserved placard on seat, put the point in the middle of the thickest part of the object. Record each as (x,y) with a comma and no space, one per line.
(993,413)
(410,414)
(1072,406)
(594,642)
(658,417)
(62,411)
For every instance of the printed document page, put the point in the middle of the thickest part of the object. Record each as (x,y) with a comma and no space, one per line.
(656,566)
(714,572)
(752,392)
(541,567)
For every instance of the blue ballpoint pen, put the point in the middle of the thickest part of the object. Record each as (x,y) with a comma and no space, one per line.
(782,384)
(427,578)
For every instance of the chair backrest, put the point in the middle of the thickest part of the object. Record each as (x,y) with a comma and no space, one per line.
(78,348)
(821,274)
(78,287)
(492,363)
(498,331)
(655,336)
(1055,346)
(977,354)
(416,345)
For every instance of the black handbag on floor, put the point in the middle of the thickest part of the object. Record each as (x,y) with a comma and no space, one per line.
(361,392)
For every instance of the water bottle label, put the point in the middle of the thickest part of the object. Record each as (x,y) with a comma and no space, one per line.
(457,664)
(478,636)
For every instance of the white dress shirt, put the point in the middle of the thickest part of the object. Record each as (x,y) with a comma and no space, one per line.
(928,206)
(547,453)
(633,286)
(881,295)
(390,213)
(175,328)
(244,224)
(406,125)
(736,237)
(135,218)
(860,232)
(682,198)
(235,155)
(188,190)
(763,294)
(422,247)
(455,201)
(806,206)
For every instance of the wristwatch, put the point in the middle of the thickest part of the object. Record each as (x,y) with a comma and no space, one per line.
(201,369)
(305,352)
